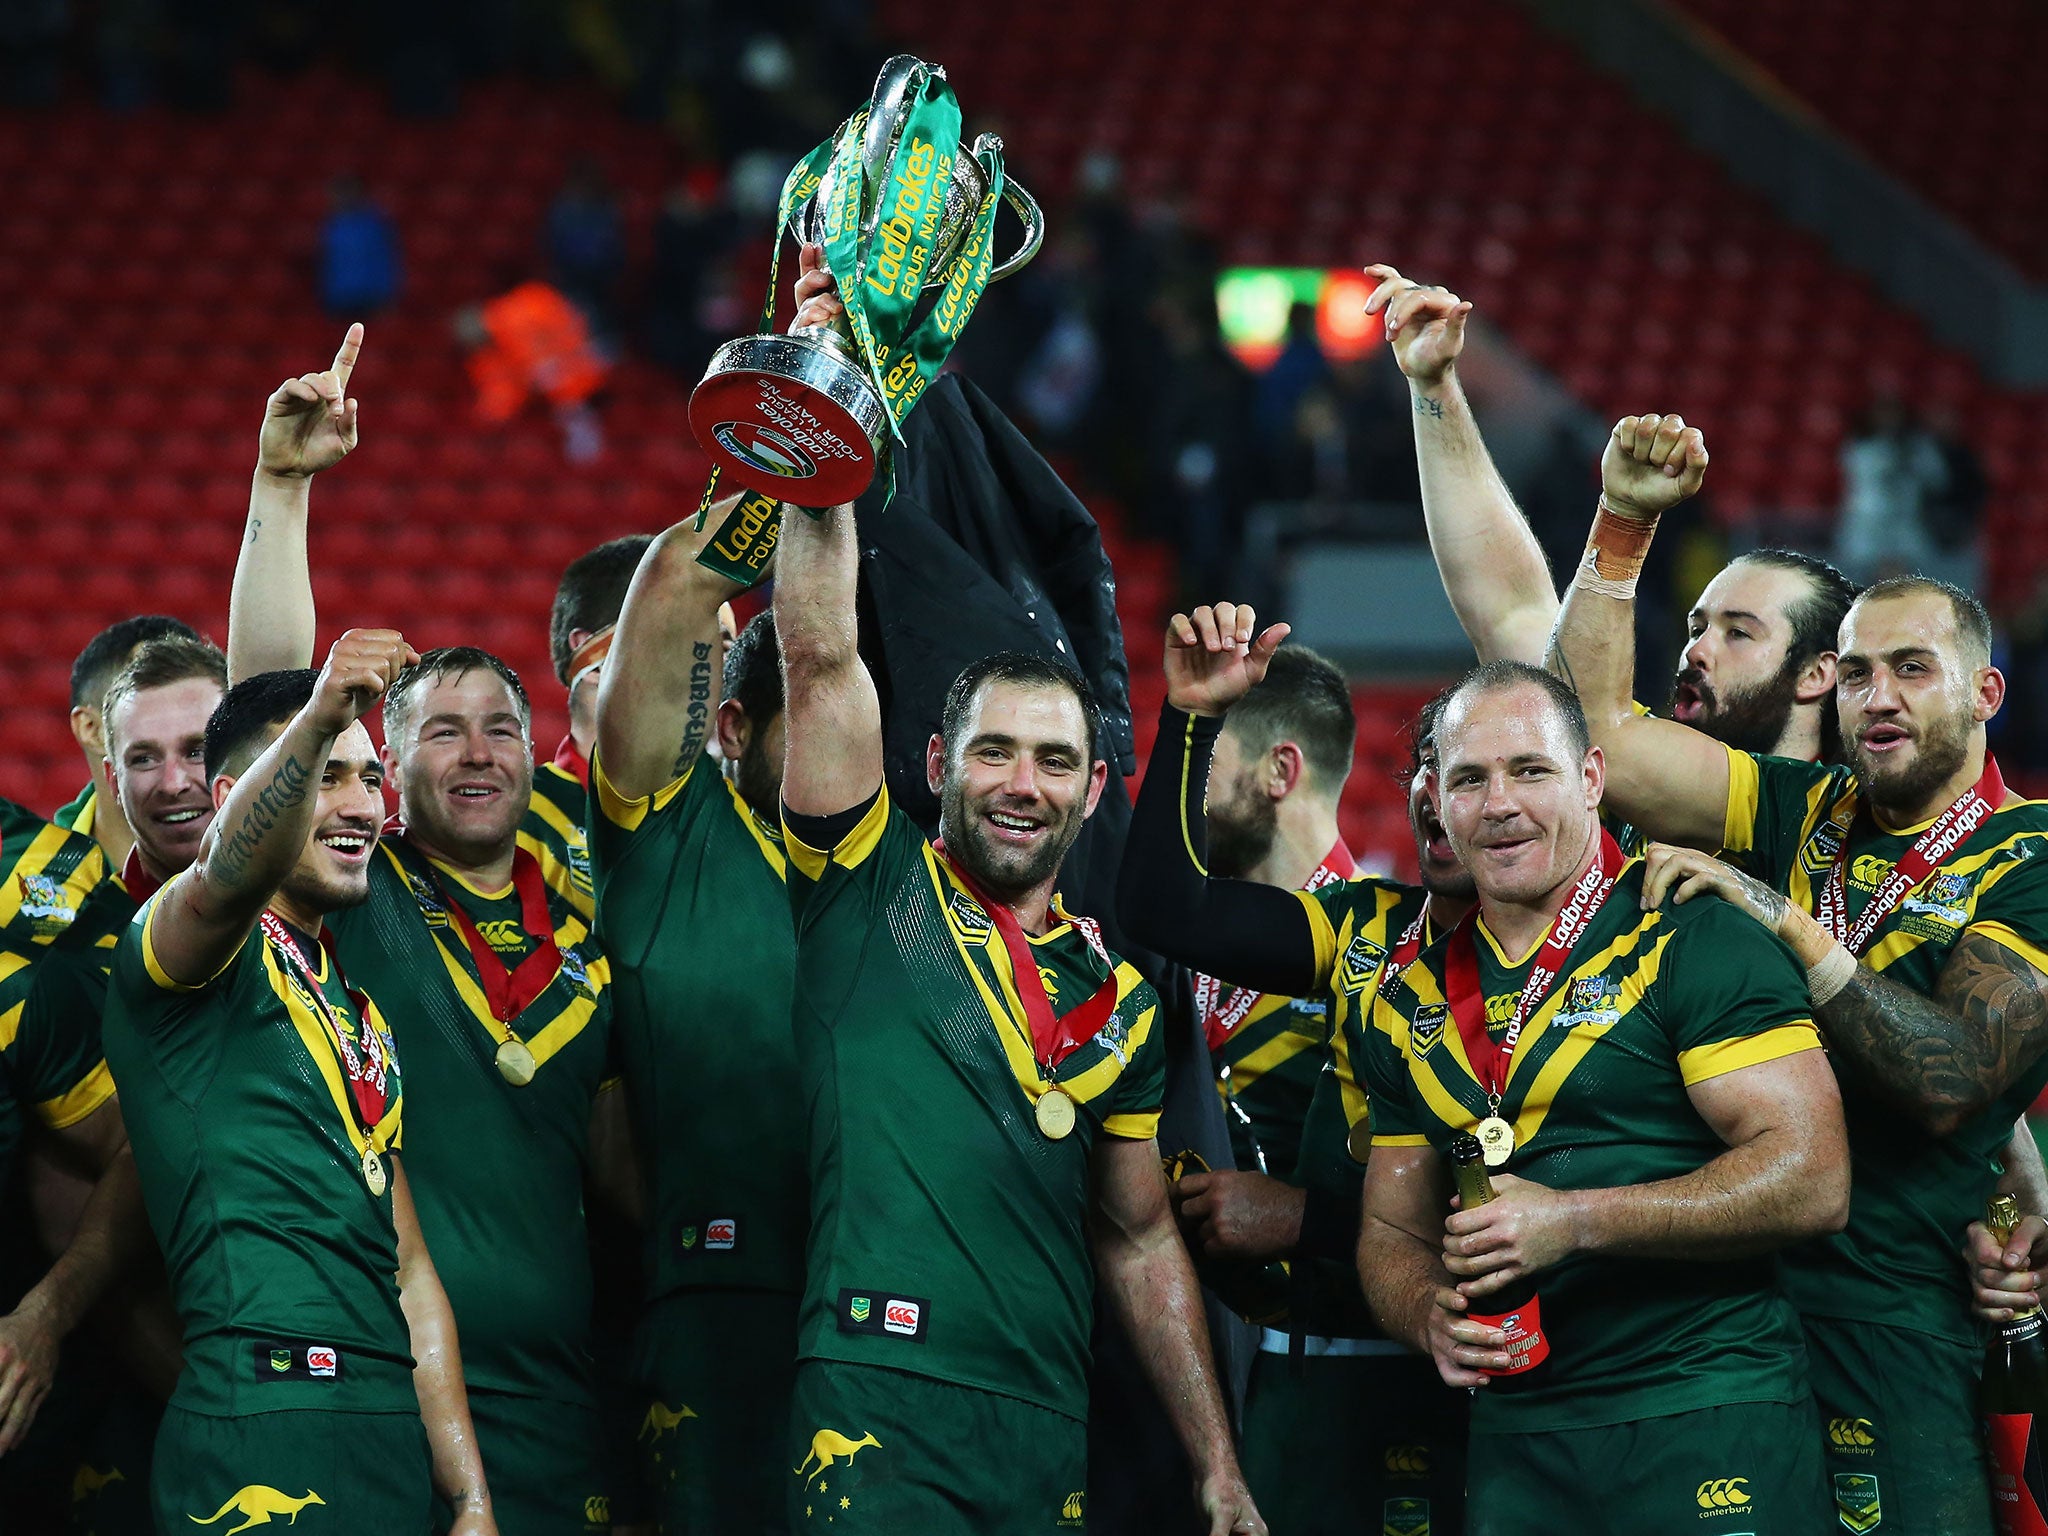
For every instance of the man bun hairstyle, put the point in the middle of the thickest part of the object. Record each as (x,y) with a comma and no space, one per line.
(1306,699)
(159,663)
(107,652)
(753,670)
(250,715)
(591,593)
(1972,619)
(448,661)
(1026,670)
(1503,674)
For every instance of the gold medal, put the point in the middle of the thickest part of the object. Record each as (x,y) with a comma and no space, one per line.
(516,1064)
(1055,1113)
(373,1172)
(1496,1140)
(1359,1142)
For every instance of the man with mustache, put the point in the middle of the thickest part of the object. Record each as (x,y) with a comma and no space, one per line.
(264,1104)
(694,911)
(1910,882)
(90,813)
(1354,1422)
(476,930)
(1657,1117)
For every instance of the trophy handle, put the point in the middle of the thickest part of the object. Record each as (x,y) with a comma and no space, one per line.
(1033,220)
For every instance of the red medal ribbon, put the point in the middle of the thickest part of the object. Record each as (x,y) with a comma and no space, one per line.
(368,1084)
(1054,1037)
(570,759)
(138,881)
(1406,948)
(1490,1062)
(511,992)
(1949,832)
(1222,1007)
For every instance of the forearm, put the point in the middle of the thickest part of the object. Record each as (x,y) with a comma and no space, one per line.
(2025,1177)
(1400,1275)
(1151,1288)
(1247,934)
(1919,1056)
(832,714)
(263,824)
(1493,569)
(271,613)
(1754,1198)
(112,1237)
(444,1403)
(816,579)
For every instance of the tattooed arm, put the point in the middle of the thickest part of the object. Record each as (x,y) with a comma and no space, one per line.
(659,691)
(268,811)
(1942,1059)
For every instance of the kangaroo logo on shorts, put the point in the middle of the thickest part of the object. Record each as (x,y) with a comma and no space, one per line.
(662,1420)
(829,1447)
(1856,1502)
(1427,1028)
(1404,1517)
(256,1504)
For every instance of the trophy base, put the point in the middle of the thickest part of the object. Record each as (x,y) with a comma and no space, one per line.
(793,417)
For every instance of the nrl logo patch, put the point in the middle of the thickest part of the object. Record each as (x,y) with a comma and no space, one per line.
(968,920)
(1361,963)
(1427,1028)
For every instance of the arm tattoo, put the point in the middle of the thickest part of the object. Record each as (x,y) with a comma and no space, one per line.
(287,787)
(698,722)
(255,523)
(1946,1057)
(1424,406)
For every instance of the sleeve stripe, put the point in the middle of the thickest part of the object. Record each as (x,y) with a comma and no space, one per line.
(1140,1126)
(852,849)
(157,973)
(1745,793)
(1400,1141)
(1724,1056)
(2006,938)
(80,1100)
(628,811)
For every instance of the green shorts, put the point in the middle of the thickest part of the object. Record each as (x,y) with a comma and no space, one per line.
(715,1371)
(542,1461)
(1336,1443)
(1899,1429)
(315,1471)
(876,1452)
(1750,1469)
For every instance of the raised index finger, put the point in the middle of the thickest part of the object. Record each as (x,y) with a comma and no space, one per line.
(345,359)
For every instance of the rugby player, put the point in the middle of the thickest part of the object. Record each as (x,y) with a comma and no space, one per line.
(1909,881)
(264,1105)
(97,666)
(580,628)
(155,767)
(1354,1422)
(1659,1117)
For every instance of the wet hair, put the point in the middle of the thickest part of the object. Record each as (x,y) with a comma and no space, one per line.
(1973,621)
(753,670)
(1816,618)
(1502,674)
(448,661)
(1422,732)
(591,593)
(159,663)
(107,652)
(1305,699)
(249,716)
(1026,670)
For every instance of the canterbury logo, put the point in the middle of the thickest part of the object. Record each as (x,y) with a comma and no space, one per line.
(829,1446)
(1847,1433)
(662,1420)
(502,933)
(256,1504)
(1722,1493)
(1407,1460)
(1073,1512)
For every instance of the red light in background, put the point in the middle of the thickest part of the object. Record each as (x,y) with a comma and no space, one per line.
(1346,331)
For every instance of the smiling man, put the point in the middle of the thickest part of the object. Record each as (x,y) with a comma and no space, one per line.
(1658,1117)
(156,712)
(92,674)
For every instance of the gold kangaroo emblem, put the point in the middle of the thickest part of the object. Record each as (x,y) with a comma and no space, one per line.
(89,1480)
(256,1504)
(662,1420)
(828,1446)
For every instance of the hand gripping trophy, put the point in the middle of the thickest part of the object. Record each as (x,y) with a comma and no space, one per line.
(902,211)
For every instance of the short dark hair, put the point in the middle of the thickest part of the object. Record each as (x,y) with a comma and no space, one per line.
(1816,618)
(591,593)
(1422,731)
(1504,673)
(445,662)
(248,715)
(1029,671)
(1973,620)
(159,663)
(1303,698)
(753,670)
(107,652)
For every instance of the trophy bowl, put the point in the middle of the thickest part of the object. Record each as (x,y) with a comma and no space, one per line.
(798,416)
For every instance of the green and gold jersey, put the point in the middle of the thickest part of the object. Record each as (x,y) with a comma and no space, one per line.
(948,1231)
(283,1261)
(1913,1195)
(77,813)
(52,880)
(695,916)
(497,1169)
(1647,1004)
(561,812)
(51,1067)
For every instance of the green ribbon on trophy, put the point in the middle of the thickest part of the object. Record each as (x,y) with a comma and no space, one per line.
(900,210)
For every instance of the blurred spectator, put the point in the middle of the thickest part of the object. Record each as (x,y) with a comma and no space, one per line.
(692,234)
(1891,469)
(1952,513)
(359,267)
(1200,442)
(534,341)
(1350,438)
(586,242)
(1299,369)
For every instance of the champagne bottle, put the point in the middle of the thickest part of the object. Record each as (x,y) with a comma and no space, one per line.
(2014,1399)
(1515,1309)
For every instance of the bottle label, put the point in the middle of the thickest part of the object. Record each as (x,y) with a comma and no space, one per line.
(2017,1488)
(1528,1346)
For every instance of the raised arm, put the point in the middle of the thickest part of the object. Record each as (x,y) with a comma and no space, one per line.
(1493,569)
(437,1373)
(309,424)
(1150,1285)
(659,690)
(266,815)
(1668,779)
